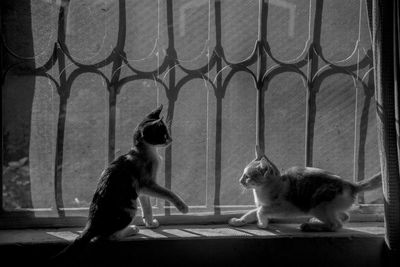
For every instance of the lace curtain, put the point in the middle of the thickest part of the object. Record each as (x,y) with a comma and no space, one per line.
(384,25)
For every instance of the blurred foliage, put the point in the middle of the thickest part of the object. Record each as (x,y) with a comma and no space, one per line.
(16,185)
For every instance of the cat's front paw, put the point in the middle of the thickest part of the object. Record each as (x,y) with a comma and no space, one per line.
(182,207)
(314,220)
(151,224)
(262,225)
(237,222)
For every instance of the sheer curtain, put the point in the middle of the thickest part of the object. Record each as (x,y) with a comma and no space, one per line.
(384,24)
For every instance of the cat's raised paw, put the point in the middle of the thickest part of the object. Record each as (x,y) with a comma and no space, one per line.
(151,224)
(236,222)
(182,207)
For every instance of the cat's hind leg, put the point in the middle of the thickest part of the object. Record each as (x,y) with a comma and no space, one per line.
(344,216)
(327,221)
(249,217)
(131,230)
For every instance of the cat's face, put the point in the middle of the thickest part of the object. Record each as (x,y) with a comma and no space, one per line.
(261,171)
(153,129)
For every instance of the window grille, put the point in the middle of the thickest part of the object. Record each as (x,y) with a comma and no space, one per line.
(325,109)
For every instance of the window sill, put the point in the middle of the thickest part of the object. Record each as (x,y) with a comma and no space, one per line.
(209,245)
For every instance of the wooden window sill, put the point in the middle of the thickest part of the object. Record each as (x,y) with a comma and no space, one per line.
(358,244)
(66,235)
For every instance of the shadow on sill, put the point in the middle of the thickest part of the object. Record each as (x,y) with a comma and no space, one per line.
(359,244)
(250,231)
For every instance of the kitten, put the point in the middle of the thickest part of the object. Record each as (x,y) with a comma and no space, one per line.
(127,178)
(299,191)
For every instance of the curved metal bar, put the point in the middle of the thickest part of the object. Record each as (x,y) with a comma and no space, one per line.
(122,82)
(278,69)
(35,72)
(299,61)
(251,59)
(230,75)
(234,69)
(361,64)
(205,68)
(77,72)
(329,70)
(189,78)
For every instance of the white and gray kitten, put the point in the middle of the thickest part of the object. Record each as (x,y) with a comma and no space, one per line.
(297,192)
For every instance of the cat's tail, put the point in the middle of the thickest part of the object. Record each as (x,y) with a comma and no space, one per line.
(369,184)
(72,252)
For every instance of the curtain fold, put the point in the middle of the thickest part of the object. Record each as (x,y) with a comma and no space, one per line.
(385,45)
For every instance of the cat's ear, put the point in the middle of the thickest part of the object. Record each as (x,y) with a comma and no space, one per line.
(259,153)
(264,163)
(155,114)
(157,121)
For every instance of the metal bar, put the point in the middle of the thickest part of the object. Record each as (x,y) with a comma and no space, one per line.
(311,90)
(261,69)
(62,114)
(171,58)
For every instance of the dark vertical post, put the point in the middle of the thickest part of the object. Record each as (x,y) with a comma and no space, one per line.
(261,69)
(218,154)
(312,88)
(64,94)
(218,121)
(114,87)
(363,128)
(171,58)
(168,152)
(62,113)
(112,104)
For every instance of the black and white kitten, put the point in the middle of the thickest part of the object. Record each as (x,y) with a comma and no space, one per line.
(127,178)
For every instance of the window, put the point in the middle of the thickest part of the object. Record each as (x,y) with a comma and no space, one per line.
(293,76)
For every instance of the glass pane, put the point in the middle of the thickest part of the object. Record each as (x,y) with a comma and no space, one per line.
(42,149)
(17,96)
(85,141)
(238,28)
(189,145)
(334,126)
(189,27)
(238,138)
(285,106)
(288,28)
(339,29)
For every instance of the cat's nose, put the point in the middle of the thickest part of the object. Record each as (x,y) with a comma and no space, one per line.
(242,181)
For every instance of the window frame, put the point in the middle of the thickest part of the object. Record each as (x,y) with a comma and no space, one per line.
(261,52)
